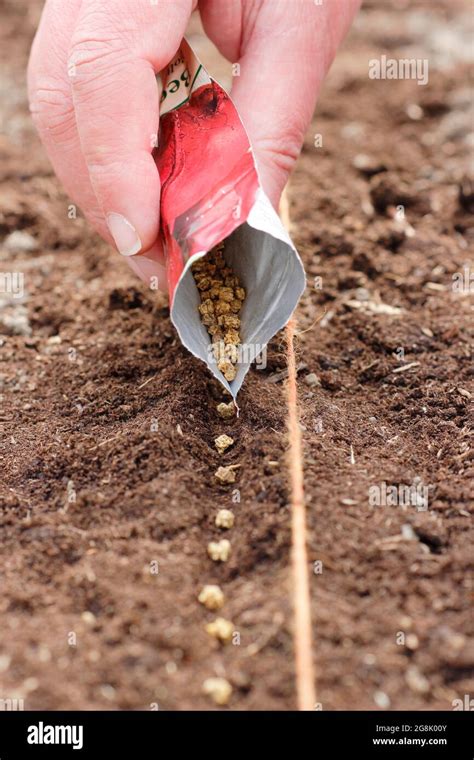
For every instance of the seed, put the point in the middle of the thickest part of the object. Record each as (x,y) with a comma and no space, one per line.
(219,689)
(235,305)
(225,474)
(207,307)
(203,283)
(225,519)
(232,353)
(232,336)
(221,629)
(219,551)
(223,442)
(218,349)
(221,307)
(230,320)
(226,411)
(207,319)
(226,294)
(227,369)
(211,597)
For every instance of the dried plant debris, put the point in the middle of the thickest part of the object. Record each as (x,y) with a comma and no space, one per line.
(222,297)
(225,519)
(211,597)
(223,442)
(219,551)
(221,629)
(219,689)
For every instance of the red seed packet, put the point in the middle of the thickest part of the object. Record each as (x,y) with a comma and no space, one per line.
(210,192)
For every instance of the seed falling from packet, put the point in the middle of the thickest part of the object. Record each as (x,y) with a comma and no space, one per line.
(234,276)
(222,297)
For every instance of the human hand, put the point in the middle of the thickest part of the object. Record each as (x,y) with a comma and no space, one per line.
(95,101)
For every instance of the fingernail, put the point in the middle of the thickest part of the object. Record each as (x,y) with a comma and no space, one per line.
(124,234)
(151,272)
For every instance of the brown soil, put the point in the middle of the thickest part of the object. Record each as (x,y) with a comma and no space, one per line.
(99,401)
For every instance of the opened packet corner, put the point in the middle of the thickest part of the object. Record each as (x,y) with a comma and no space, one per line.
(210,193)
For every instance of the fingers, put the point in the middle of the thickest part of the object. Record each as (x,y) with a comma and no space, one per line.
(94,100)
(284,50)
(116,49)
(52,109)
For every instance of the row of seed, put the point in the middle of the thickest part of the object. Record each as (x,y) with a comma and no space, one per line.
(212,596)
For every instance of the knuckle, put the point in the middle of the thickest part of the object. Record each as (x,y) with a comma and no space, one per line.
(111,164)
(281,153)
(88,59)
(98,45)
(51,108)
(283,147)
(103,169)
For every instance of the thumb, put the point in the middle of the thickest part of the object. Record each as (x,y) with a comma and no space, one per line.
(285,52)
(116,50)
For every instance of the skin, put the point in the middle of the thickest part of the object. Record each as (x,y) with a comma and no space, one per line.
(94,99)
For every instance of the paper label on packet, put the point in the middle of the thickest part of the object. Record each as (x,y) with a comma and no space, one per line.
(210,191)
(180,78)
